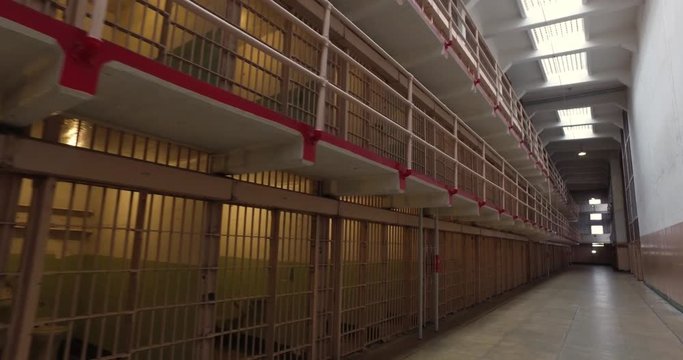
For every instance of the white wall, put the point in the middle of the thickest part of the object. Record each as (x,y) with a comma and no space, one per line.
(657,116)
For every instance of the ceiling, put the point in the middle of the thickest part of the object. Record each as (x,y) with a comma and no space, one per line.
(598,39)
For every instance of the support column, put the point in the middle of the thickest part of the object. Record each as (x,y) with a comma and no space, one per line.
(134,273)
(209,253)
(30,271)
(324,53)
(619,213)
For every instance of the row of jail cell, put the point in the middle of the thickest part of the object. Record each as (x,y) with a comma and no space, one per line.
(91,135)
(168,32)
(148,276)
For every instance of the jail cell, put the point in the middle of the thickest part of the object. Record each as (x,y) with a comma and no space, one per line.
(452,282)
(471,261)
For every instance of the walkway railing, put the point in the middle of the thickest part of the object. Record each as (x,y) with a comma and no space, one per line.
(264,53)
(458,30)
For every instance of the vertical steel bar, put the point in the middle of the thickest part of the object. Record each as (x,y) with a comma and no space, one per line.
(30,270)
(97,22)
(342,102)
(407,274)
(76,12)
(337,233)
(437,269)
(285,76)
(10,186)
(271,317)
(365,290)
(421,270)
(409,155)
(322,94)
(315,275)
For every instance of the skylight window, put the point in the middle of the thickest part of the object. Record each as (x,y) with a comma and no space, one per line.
(575,116)
(596,216)
(548,7)
(578,132)
(597,230)
(556,37)
(565,69)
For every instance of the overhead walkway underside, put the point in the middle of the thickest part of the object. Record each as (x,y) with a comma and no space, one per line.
(55,68)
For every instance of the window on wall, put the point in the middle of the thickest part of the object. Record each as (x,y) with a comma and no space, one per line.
(596,216)
(594,201)
(597,230)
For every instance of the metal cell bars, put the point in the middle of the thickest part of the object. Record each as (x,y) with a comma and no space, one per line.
(169,275)
(15,206)
(489,266)
(437,160)
(376,302)
(295,301)
(281,180)
(91,135)
(452,283)
(375,117)
(470,166)
(54,8)
(246,280)
(94,257)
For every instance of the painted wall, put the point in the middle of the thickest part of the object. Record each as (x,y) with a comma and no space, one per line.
(657,134)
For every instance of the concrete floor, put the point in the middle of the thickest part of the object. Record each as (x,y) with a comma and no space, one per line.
(588,312)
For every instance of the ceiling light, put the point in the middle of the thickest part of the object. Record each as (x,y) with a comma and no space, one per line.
(565,69)
(578,132)
(583,153)
(560,36)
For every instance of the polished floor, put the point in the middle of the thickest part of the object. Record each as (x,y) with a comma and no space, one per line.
(587,312)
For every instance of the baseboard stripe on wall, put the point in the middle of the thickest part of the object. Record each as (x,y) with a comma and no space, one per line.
(668,299)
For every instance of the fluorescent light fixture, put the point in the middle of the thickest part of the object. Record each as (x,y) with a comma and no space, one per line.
(596,216)
(594,251)
(598,245)
(594,201)
(583,153)
(597,230)
(560,36)
(565,69)
(575,116)
(548,7)
(578,132)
